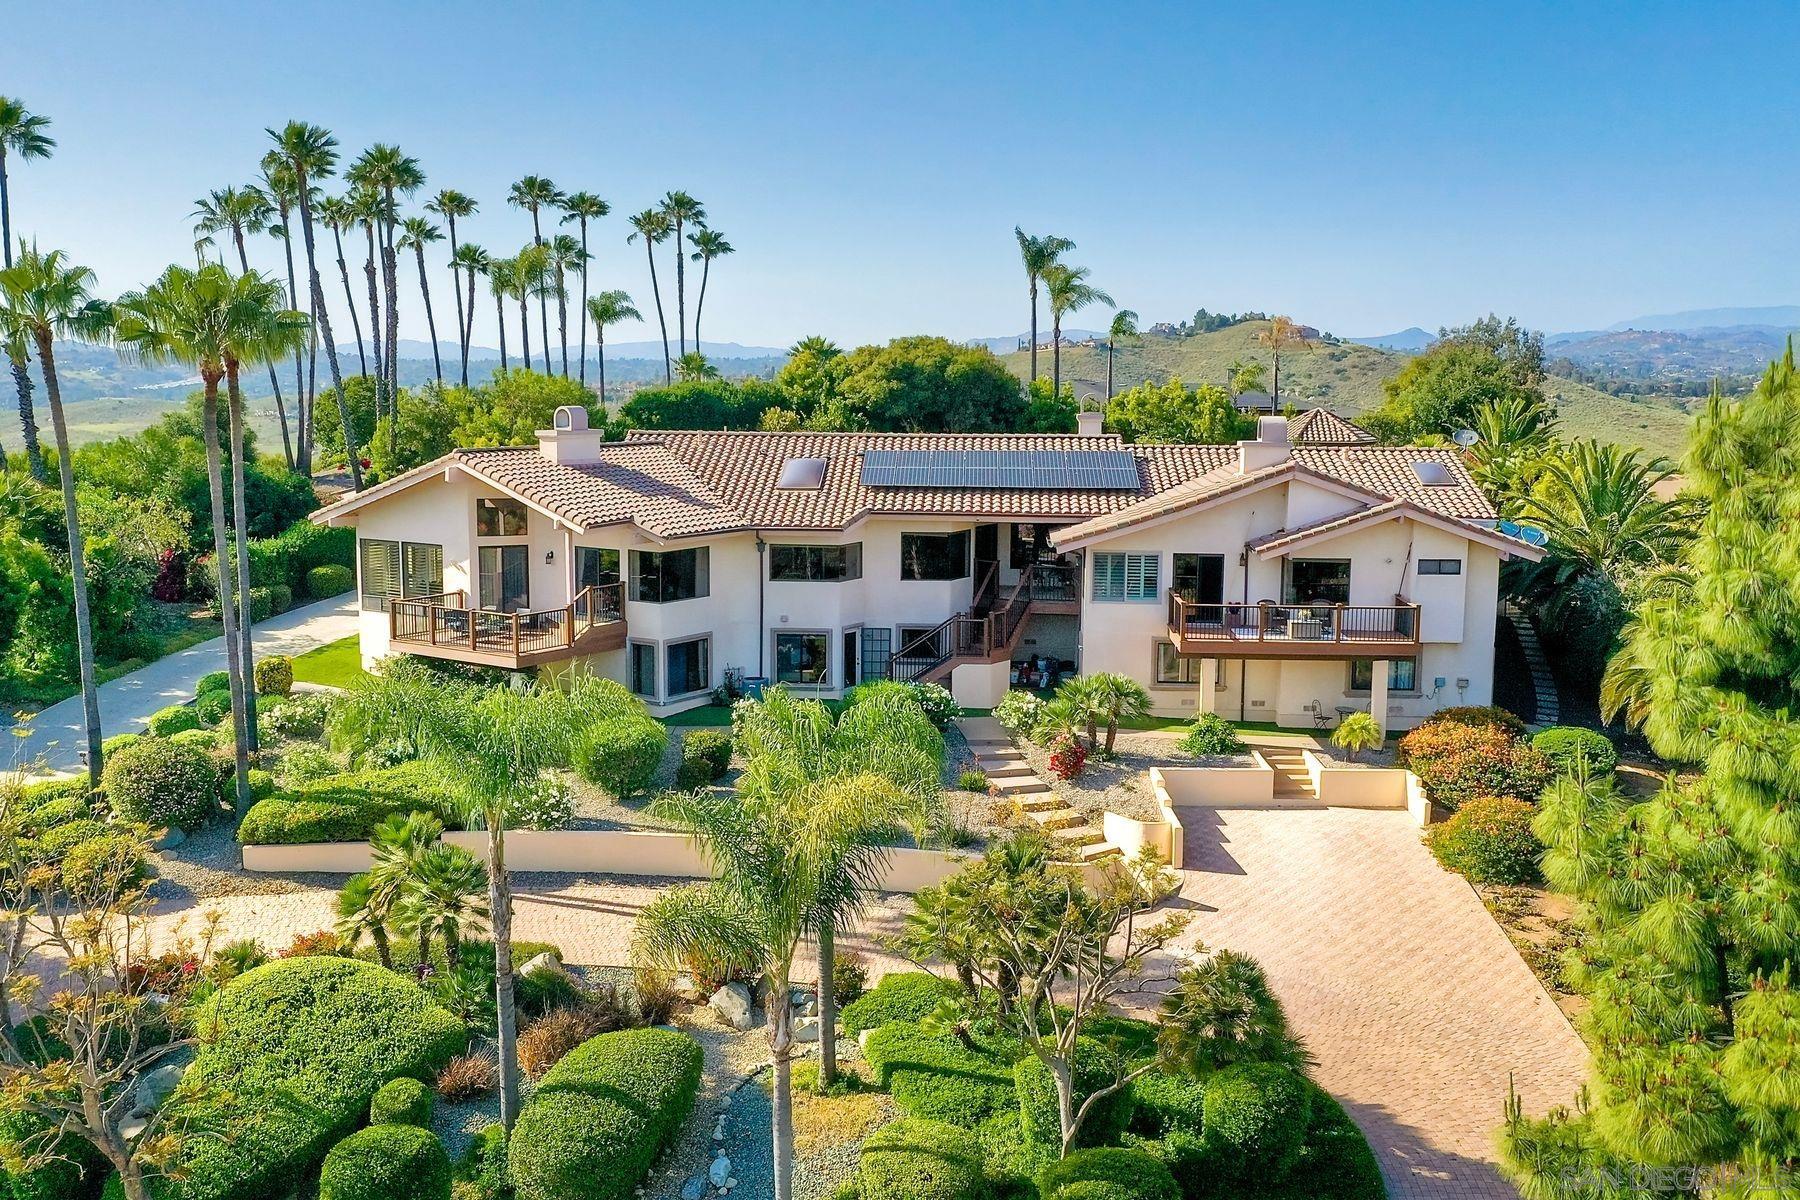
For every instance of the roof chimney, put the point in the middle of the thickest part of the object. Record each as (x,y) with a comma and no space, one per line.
(1269,447)
(1087,424)
(569,441)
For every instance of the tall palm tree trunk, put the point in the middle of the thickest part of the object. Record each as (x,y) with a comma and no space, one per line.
(287,249)
(245,723)
(500,919)
(456,291)
(661,323)
(781,1044)
(827,956)
(430,322)
(375,343)
(581,314)
(28,426)
(390,273)
(680,291)
(700,304)
(1275,398)
(537,239)
(600,353)
(209,429)
(5,211)
(562,317)
(1034,329)
(500,316)
(1109,369)
(525,333)
(1056,356)
(287,448)
(84,619)
(337,236)
(323,318)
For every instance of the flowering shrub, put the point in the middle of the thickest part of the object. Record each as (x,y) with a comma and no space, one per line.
(313,945)
(274,675)
(1068,757)
(1489,840)
(1019,712)
(1457,763)
(165,974)
(1212,735)
(550,804)
(1480,716)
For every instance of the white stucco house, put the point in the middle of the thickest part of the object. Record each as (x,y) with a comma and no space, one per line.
(1289,578)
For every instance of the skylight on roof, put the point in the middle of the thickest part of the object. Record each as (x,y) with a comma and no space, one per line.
(802,474)
(1433,474)
(1042,470)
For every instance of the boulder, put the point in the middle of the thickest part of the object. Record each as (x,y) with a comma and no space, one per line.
(154,1087)
(693,1189)
(168,839)
(806,1029)
(720,1171)
(732,1003)
(547,961)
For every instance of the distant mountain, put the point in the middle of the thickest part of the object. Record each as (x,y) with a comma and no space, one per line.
(1780,316)
(1410,340)
(1007,344)
(717,351)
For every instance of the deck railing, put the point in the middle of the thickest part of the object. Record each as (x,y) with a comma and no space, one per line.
(444,620)
(983,634)
(1381,624)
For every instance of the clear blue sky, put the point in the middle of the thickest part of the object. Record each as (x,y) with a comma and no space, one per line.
(1362,167)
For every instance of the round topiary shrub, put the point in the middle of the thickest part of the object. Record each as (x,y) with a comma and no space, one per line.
(387,1162)
(213,681)
(1108,1173)
(262,605)
(1489,840)
(1458,762)
(281,597)
(902,996)
(212,707)
(1212,736)
(117,741)
(274,675)
(1568,746)
(160,783)
(1255,1117)
(1168,1102)
(103,866)
(402,1101)
(165,722)
(329,580)
(1095,1067)
(705,757)
(912,1159)
(621,754)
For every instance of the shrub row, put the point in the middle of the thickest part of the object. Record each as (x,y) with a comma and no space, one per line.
(934,1076)
(346,807)
(902,996)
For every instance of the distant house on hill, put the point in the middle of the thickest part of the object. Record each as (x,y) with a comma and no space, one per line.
(1164,329)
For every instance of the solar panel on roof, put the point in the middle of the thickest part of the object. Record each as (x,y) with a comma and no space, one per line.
(1048,470)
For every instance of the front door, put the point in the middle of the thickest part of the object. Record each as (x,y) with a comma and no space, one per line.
(505,578)
(852,657)
(987,543)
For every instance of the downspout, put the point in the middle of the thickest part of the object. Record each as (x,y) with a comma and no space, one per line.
(762,629)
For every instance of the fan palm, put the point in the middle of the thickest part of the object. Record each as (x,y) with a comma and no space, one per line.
(1116,697)
(693,366)
(708,244)
(565,254)
(535,193)
(1038,254)
(310,152)
(530,277)
(416,233)
(499,272)
(1068,290)
(582,207)
(471,260)
(654,225)
(1124,326)
(1514,434)
(278,187)
(1281,334)
(365,206)
(608,308)
(442,898)
(682,210)
(393,173)
(241,211)
(336,213)
(43,296)
(365,912)
(451,204)
(21,133)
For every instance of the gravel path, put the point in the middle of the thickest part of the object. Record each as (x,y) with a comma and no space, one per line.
(1120,784)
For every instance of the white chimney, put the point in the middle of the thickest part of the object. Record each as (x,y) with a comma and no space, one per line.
(1269,447)
(1087,424)
(570,441)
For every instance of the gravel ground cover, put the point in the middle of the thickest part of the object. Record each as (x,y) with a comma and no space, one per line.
(1121,783)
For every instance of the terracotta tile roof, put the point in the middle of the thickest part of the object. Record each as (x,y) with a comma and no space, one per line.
(639,482)
(1387,471)
(1322,427)
(1283,537)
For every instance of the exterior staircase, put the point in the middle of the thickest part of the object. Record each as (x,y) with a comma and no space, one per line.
(1010,776)
(1291,780)
(1547,704)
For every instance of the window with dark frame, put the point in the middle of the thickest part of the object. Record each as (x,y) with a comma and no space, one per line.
(596,566)
(877,649)
(815,564)
(688,666)
(1173,668)
(1200,578)
(499,518)
(934,556)
(803,659)
(392,570)
(643,669)
(665,576)
(1403,674)
(1030,544)
(1440,566)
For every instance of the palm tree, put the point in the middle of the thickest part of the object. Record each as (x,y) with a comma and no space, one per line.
(471,260)
(416,234)
(18,355)
(21,133)
(365,910)
(278,186)
(311,153)
(787,853)
(451,204)
(1038,254)
(239,211)
(565,253)
(46,297)
(582,207)
(339,215)
(535,193)
(499,272)
(1514,434)
(365,206)
(1281,334)
(608,308)
(1124,325)
(708,244)
(693,366)
(1117,696)
(682,209)
(1068,290)
(393,173)
(653,225)
(443,897)
(530,277)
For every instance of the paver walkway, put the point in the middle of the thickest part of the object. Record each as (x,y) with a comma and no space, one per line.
(58,736)
(1406,991)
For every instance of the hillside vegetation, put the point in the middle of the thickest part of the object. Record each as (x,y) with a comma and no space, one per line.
(1347,378)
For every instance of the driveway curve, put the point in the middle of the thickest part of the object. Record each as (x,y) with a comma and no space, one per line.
(1413,1001)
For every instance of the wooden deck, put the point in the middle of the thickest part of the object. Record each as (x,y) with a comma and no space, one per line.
(443,626)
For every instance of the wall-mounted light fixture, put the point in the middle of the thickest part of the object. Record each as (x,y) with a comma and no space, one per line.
(549,557)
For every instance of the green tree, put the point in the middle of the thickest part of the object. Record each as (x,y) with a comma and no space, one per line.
(21,133)
(1245,376)
(1038,252)
(1048,412)
(582,207)
(1358,731)
(337,214)
(1170,412)
(365,205)
(534,193)
(682,210)
(693,367)
(1123,328)
(607,308)
(704,403)
(43,297)
(279,186)
(928,385)
(708,244)
(1515,434)
(237,212)
(1281,334)
(1438,392)
(471,261)
(1068,291)
(807,378)
(531,277)
(654,225)
(416,234)
(1118,697)
(566,254)
(451,204)
(1688,896)
(393,173)
(499,272)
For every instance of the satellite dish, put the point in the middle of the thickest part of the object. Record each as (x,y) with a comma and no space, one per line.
(1529,534)
(1465,438)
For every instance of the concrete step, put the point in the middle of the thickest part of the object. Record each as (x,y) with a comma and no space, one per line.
(1031,802)
(1081,835)
(1058,818)
(1006,770)
(1021,786)
(1098,851)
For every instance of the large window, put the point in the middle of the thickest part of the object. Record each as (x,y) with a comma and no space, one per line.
(643,669)
(1172,668)
(688,665)
(499,518)
(504,577)
(662,577)
(803,659)
(1403,674)
(595,566)
(1030,544)
(821,564)
(392,570)
(1127,576)
(1318,581)
(1200,577)
(934,555)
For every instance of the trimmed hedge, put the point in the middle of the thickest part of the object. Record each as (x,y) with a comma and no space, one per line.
(101,864)
(213,707)
(158,783)
(35,822)
(902,996)
(1168,1102)
(1458,762)
(401,1102)
(1566,745)
(911,1159)
(322,583)
(1108,1171)
(936,1077)
(621,754)
(705,757)
(346,807)
(602,1115)
(1256,1119)
(387,1162)
(1095,1067)
(172,720)
(274,675)
(1489,840)
(213,681)
(292,1053)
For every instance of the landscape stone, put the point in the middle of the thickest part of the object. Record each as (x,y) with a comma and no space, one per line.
(732,1003)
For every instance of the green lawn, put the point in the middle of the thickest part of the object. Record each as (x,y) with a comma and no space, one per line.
(707,715)
(336,664)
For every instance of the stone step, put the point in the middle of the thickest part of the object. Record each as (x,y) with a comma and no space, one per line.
(1058,818)
(1097,851)
(1006,770)
(991,743)
(1023,785)
(1037,802)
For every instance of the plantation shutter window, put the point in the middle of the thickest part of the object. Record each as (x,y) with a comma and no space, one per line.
(380,571)
(1127,576)
(423,568)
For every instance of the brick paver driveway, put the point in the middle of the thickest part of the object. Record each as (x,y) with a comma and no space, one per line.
(1412,1000)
